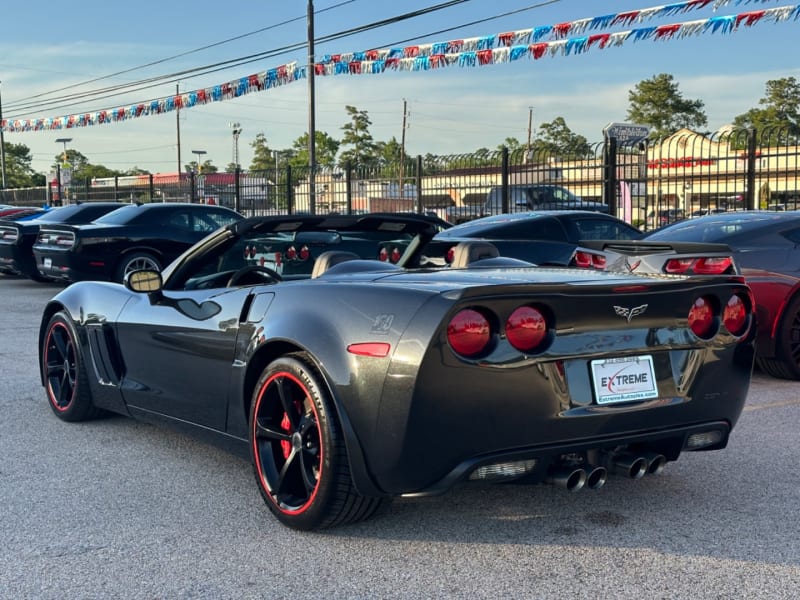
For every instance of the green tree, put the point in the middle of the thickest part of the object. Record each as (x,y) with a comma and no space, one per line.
(325,149)
(779,115)
(657,102)
(389,156)
(19,173)
(90,171)
(203,169)
(263,159)
(361,148)
(512,143)
(557,139)
(74,160)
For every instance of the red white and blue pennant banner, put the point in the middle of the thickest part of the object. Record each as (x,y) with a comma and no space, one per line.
(551,40)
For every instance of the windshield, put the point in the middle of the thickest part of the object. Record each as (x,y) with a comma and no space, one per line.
(289,254)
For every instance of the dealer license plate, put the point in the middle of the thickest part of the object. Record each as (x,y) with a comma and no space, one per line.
(48,263)
(624,379)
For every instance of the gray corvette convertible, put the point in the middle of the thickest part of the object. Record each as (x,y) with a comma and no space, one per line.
(350,380)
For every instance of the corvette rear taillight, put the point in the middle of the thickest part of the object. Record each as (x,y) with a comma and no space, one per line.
(526,328)
(699,266)
(395,255)
(734,315)
(304,253)
(383,255)
(469,333)
(450,255)
(291,253)
(712,266)
(589,260)
(702,318)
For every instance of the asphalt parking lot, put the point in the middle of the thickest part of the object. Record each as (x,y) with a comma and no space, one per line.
(119,509)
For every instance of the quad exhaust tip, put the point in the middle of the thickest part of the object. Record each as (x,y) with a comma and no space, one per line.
(635,467)
(576,478)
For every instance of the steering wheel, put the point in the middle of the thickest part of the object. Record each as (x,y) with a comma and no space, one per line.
(263,272)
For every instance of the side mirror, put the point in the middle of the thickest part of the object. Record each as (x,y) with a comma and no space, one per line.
(144,282)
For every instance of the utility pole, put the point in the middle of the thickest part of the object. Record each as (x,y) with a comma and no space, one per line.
(530,133)
(312,135)
(178,130)
(403,148)
(2,146)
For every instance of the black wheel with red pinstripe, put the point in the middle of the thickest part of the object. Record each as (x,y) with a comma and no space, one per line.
(64,372)
(298,451)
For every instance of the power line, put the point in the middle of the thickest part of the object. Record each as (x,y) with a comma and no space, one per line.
(188,52)
(108,92)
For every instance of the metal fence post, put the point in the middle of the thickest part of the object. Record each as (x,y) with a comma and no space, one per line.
(504,180)
(289,199)
(610,169)
(420,206)
(151,187)
(348,187)
(192,188)
(116,188)
(58,185)
(750,192)
(237,188)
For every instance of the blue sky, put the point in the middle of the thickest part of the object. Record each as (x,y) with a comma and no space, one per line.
(451,110)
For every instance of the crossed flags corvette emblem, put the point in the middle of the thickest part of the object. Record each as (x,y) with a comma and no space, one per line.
(629,313)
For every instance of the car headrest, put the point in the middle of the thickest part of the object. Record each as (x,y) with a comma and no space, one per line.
(466,253)
(330,258)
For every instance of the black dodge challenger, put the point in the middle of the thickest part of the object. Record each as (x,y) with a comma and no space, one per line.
(354,380)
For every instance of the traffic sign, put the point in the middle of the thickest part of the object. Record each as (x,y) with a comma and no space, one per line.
(626,134)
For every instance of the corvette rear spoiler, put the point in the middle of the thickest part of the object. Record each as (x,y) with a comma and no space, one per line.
(676,258)
(642,247)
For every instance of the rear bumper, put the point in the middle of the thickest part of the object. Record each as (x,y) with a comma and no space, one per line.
(601,452)
(70,266)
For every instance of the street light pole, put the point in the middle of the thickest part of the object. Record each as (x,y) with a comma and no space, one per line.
(62,172)
(197,181)
(199,154)
(64,141)
(2,146)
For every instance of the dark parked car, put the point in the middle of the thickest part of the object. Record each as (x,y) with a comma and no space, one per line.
(557,234)
(137,236)
(766,247)
(368,380)
(17,236)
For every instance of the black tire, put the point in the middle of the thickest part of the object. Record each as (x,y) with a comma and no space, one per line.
(299,456)
(65,380)
(134,262)
(786,364)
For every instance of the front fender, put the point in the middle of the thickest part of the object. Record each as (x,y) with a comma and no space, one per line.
(86,303)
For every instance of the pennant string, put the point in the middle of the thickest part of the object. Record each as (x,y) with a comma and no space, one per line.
(568,38)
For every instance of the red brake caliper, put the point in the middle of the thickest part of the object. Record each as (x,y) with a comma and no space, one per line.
(286,445)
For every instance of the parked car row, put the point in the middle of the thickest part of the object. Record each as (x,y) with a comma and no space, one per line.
(104,240)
